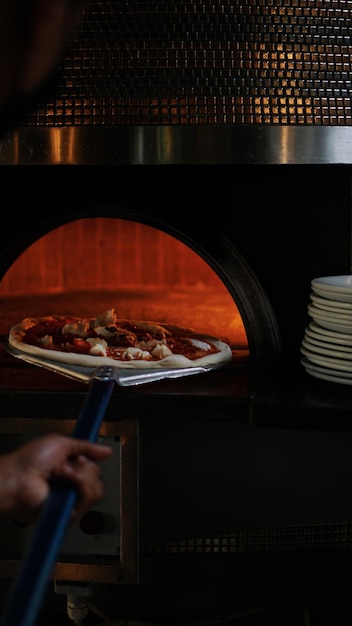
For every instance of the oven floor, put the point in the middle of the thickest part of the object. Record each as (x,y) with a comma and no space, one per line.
(330,607)
(317,615)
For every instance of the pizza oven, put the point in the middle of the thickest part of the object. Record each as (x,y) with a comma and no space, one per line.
(168,180)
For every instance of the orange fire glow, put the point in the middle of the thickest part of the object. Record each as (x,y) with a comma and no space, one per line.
(92,264)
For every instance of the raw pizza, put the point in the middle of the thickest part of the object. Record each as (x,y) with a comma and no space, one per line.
(108,340)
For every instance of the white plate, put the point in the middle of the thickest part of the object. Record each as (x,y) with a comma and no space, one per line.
(341,283)
(330,316)
(345,338)
(331,306)
(324,361)
(330,352)
(329,343)
(325,370)
(328,304)
(330,295)
(334,287)
(338,328)
(344,329)
(325,374)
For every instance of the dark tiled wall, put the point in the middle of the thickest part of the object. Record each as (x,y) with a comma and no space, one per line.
(205,62)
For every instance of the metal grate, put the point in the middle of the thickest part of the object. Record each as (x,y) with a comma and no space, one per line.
(319,535)
(205,62)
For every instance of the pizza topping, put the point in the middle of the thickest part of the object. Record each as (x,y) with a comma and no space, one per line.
(201,344)
(107,337)
(137,353)
(154,330)
(116,335)
(161,351)
(97,346)
(108,318)
(80,328)
(46,341)
(78,345)
(105,331)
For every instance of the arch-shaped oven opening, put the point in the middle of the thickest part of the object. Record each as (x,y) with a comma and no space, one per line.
(146,269)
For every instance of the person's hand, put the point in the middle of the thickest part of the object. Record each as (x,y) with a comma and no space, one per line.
(27,472)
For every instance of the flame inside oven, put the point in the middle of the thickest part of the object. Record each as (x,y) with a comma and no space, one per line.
(89,265)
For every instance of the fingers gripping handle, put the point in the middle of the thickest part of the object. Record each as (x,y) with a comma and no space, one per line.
(30,585)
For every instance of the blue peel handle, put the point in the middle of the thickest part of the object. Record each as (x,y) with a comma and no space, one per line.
(30,585)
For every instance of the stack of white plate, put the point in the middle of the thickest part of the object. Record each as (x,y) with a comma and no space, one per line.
(327,342)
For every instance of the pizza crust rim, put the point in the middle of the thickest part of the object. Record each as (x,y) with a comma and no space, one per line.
(178,361)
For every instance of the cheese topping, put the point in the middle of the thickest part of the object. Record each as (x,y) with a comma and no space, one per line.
(98,346)
(136,353)
(80,328)
(46,341)
(161,351)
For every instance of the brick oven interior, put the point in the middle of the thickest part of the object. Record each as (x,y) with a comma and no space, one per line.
(191,161)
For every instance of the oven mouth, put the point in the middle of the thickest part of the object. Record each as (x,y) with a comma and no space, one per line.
(146,272)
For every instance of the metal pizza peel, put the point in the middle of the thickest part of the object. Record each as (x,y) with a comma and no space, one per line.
(30,585)
(124,377)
